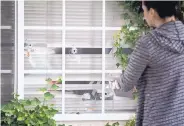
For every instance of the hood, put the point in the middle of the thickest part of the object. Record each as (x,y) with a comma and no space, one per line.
(170,36)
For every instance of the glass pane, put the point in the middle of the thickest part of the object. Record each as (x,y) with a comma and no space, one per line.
(110,59)
(41,50)
(83,93)
(84,50)
(43,13)
(113,14)
(33,82)
(83,13)
(117,101)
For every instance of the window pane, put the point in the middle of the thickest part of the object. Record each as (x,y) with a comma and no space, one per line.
(85,39)
(117,101)
(83,93)
(43,13)
(41,50)
(113,14)
(33,82)
(84,50)
(110,59)
(83,13)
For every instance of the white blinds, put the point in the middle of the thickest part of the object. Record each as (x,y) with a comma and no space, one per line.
(7,50)
(43,35)
(43,13)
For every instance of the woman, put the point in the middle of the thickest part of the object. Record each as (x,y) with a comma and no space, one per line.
(156,67)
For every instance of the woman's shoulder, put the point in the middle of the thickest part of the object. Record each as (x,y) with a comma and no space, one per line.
(146,38)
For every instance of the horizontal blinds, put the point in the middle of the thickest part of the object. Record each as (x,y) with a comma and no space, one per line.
(7,50)
(113,15)
(83,69)
(43,13)
(83,13)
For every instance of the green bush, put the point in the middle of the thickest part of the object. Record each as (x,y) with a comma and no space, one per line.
(130,122)
(114,124)
(30,112)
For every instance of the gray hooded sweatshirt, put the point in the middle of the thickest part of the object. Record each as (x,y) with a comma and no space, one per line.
(156,68)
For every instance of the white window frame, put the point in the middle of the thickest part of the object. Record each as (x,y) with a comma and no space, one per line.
(21,71)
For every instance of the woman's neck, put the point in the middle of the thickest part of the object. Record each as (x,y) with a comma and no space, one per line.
(160,22)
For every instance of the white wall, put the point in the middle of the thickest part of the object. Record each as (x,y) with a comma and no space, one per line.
(91,123)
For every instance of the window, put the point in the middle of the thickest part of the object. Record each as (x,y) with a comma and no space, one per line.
(72,39)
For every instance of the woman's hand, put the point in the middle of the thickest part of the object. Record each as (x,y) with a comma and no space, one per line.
(114,84)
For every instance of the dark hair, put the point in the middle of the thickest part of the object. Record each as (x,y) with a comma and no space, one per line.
(166,8)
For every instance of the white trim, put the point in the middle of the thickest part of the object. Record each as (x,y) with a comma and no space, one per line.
(43,27)
(103,57)
(63,57)
(68,28)
(83,71)
(21,49)
(57,45)
(70,71)
(16,49)
(94,117)
(6,27)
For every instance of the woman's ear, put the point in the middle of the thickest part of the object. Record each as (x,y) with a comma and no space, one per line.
(152,12)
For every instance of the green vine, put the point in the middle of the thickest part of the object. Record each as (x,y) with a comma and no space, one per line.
(130,32)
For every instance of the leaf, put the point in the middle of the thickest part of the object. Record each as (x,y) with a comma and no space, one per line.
(48,96)
(115,124)
(43,89)
(51,105)
(20,118)
(28,102)
(53,112)
(16,96)
(48,79)
(107,124)
(126,16)
(35,101)
(54,87)
(25,102)
(117,65)
(59,80)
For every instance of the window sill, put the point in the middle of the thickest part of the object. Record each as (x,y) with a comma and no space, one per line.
(95,117)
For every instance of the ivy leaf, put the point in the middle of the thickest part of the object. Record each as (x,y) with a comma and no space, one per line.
(59,80)
(115,124)
(54,87)
(35,101)
(48,96)
(107,124)
(48,79)
(117,65)
(25,102)
(126,16)
(43,89)
(20,118)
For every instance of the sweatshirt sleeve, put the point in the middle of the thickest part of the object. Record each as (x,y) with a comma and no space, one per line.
(137,64)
